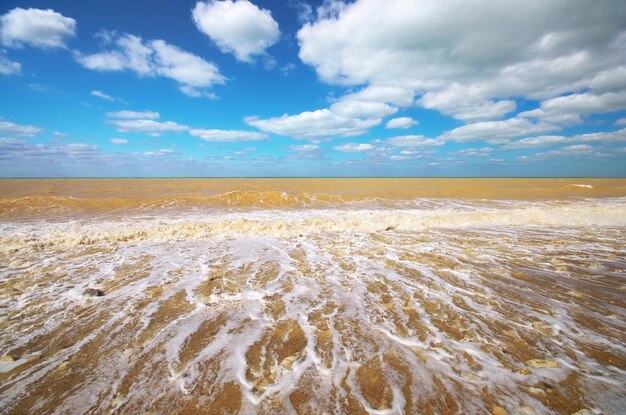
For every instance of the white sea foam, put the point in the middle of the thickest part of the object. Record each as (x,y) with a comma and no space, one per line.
(292,223)
(435,289)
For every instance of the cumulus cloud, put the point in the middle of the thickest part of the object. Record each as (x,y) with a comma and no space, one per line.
(10,146)
(577,150)
(354,147)
(125,114)
(549,140)
(568,108)
(7,66)
(305,148)
(146,122)
(603,137)
(155,58)
(312,124)
(401,122)
(35,27)
(447,51)
(621,121)
(118,141)
(540,141)
(352,114)
(17,130)
(401,96)
(475,152)
(159,153)
(412,141)
(464,103)
(227,135)
(496,132)
(237,27)
(362,109)
(150,127)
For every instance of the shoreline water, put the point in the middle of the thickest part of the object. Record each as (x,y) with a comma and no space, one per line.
(264,297)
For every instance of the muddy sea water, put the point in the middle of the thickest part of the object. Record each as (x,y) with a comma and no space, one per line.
(312,296)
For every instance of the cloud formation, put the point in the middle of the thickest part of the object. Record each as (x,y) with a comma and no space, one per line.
(576,150)
(36,27)
(238,27)
(7,66)
(448,51)
(150,127)
(105,97)
(496,132)
(118,141)
(154,58)
(17,130)
(313,124)
(146,122)
(354,147)
(401,122)
(412,141)
(230,136)
(125,114)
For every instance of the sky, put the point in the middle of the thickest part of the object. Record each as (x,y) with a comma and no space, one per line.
(420,88)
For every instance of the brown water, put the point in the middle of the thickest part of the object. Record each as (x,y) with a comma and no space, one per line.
(272,296)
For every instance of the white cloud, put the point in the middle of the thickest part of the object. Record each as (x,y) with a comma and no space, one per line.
(10,147)
(568,108)
(549,140)
(447,50)
(540,141)
(196,93)
(603,137)
(466,103)
(145,122)
(412,141)
(311,124)
(238,27)
(155,58)
(150,127)
(188,69)
(125,114)
(496,132)
(577,150)
(17,130)
(362,109)
(104,96)
(7,66)
(401,122)
(304,148)
(621,121)
(354,147)
(227,135)
(395,95)
(157,153)
(475,152)
(118,141)
(36,27)
(304,10)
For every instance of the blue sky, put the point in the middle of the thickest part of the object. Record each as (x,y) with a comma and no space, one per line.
(293,88)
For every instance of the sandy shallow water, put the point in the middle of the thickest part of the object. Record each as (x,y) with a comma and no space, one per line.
(290,296)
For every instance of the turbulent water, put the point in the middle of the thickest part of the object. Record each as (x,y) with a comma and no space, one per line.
(449,296)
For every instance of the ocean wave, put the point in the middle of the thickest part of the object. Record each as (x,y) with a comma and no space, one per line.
(277,223)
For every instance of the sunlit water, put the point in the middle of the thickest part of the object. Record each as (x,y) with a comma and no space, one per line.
(310,297)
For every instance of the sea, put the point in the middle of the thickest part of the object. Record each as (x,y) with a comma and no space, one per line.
(313,296)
